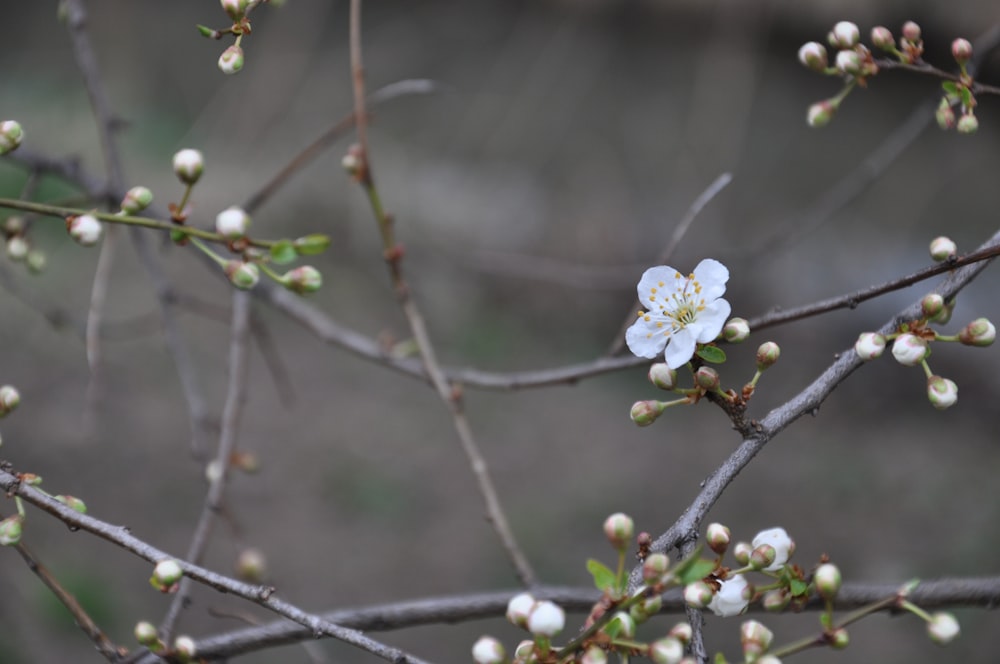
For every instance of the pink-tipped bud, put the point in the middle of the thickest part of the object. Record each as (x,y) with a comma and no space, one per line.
(188,165)
(10,530)
(519,608)
(943,248)
(827,579)
(242,275)
(619,529)
(488,650)
(166,575)
(821,113)
(136,200)
(839,638)
(869,345)
(783,545)
(303,280)
(145,633)
(707,378)
(10,399)
(776,600)
(911,32)
(682,631)
(698,594)
(755,638)
(85,229)
(848,62)
(644,413)
(961,50)
(980,332)
(594,655)
(767,354)
(667,650)
(844,35)
(736,330)
(943,628)
(232,223)
(909,350)
(662,376)
(942,392)
(654,567)
(931,305)
(718,538)
(236,9)
(882,38)
(73,503)
(11,136)
(813,55)
(967,124)
(231,60)
(184,648)
(741,552)
(763,556)
(945,115)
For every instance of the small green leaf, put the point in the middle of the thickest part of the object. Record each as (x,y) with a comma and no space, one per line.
(698,570)
(798,587)
(720,658)
(613,628)
(283,252)
(950,87)
(712,354)
(312,244)
(604,578)
(966,95)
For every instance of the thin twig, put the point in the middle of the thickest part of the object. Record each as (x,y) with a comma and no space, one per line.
(680,231)
(235,397)
(450,397)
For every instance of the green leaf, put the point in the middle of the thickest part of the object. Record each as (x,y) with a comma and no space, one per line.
(613,628)
(966,96)
(312,244)
(697,570)
(798,587)
(720,658)
(283,252)
(604,578)
(712,354)
(950,87)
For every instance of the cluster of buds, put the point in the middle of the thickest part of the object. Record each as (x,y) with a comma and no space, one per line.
(231,60)
(19,249)
(911,341)
(854,63)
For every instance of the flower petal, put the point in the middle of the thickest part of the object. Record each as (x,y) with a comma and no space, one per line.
(656,285)
(680,349)
(645,338)
(712,275)
(711,320)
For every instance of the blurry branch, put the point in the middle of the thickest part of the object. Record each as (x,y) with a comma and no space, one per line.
(971,591)
(261,595)
(805,402)
(450,395)
(235,397)
(680,231)
(325,140)
(101,642)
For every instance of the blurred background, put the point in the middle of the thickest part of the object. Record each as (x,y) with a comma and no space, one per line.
(568,139)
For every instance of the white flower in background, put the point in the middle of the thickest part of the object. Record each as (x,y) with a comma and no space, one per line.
(783,545)
(683,311)
(732,598)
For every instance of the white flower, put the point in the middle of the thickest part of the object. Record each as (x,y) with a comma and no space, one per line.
(783,545)
(909,350)
(732,598)
(683,311)
(546,619)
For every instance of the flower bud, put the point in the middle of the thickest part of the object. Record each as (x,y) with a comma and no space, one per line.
(813,56)
(909,350)
(941,392)
(967,124)
(251,565)
(662,376)
(518,609)
(523,652)
(11,136)
(820,114)
(943,248)
(10,399)
(845,35)
(36,261)
(755,638)
(644,413)
(14,225)
(961,50)
(783,545)
(242,275)
(707,378)
(827,579)
(546,619)
(184,648)
(136,200)
(763,556)
(741,552)
(351,163)
(188,165)
(736,330)
(231,60)
(942,628)
(232,223)
(654,567)
(666,651)
(166,574)
(839,638)
(848,62)
(236,9)
(17,248)
(594,655)
(646,607)
(931,305)
(869,345)
(980,332)
(623,623)
(776,600)
(73,503)
(145,633)
(85,229)
(911,32)
(488,650)
(732,598)
(698,594)
(717,536)
(682,631)
(945,115)
(10,530)
(767,354)
(944,316)
(882,38)
(303,279)
(619,529)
